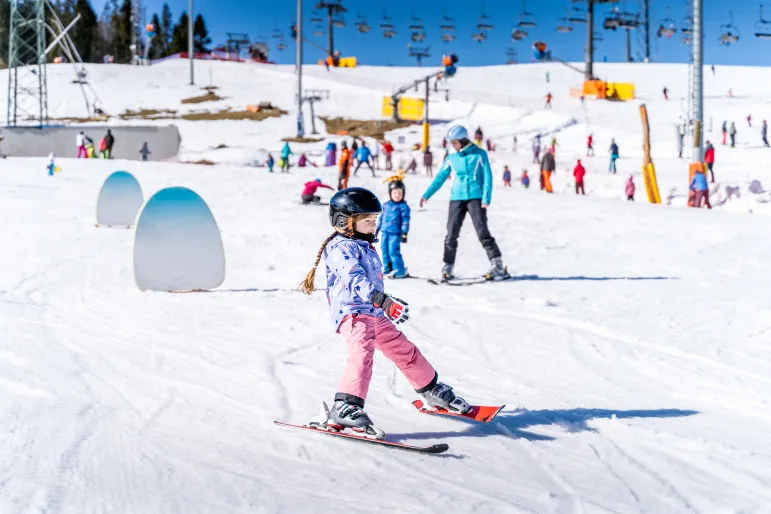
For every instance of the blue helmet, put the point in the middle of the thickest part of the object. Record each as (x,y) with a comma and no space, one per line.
(456,132)
(318,180)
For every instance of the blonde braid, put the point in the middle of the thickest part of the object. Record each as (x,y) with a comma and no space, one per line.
(307,286)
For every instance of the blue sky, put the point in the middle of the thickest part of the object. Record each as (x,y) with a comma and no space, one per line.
(261,18)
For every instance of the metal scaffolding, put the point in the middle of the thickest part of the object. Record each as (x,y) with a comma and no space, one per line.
(27,87)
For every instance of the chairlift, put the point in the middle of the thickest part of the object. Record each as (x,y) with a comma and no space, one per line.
(485,22)
(418,37)
(389,33)
(687,27)
(319,32)
(386,22)
(729,33)
(278,34)
(577,15)
(316,17)
(762,29)
(447,24)
(667,27)
(448,37)
(339,21)
(564,26)
(526,19)
(518,34)
(479,37)
(612,20)
(361,24)
(416,24)
(281,46)
(628,20)
(512,52)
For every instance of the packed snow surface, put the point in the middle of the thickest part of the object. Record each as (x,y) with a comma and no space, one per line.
(633,353)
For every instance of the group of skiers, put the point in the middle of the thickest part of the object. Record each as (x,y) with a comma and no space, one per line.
(731,132)
(85,146)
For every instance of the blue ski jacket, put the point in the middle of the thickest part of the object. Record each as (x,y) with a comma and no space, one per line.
(472,177)
(286,151)
(395,218)
(699,182)
(363,154)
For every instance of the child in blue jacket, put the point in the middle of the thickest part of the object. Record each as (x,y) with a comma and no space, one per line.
(394,224)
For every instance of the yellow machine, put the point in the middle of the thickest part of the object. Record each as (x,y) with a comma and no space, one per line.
(410,108)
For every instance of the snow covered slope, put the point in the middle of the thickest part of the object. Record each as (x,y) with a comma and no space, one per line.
(633,354)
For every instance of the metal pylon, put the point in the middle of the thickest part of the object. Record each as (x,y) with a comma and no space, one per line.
(27,87)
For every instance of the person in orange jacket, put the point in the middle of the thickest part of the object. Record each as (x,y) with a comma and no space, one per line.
(345,166)
(578,172)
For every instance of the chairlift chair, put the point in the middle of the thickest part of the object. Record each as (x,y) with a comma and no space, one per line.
(612,20)
(762,27)
(628,20)
(485,22)
(479,37)
(418,37)
(281,46)
(526,19)
(278,34)
(512,52)
(361,24)
(339,21)
(448,37)
(729,33)
(518,34)
(447,23)
(577,15)
(389,33)
(416,24)
(316,17)
(667,27)
(687,27)
(564,26)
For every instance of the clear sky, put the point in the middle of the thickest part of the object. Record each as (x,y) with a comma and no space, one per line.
(261,18)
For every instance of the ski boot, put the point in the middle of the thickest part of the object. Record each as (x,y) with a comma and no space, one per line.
(497,270)
(447,271)
(441,396)
(344,415)
(387,270)
(402,274)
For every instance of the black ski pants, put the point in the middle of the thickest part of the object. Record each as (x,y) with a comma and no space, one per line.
(455,217)
(356,170)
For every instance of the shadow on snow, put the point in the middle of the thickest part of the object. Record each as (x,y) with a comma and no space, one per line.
(513,423)
(581,277)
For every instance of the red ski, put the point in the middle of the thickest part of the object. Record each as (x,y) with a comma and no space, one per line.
(430,450)
(483,414)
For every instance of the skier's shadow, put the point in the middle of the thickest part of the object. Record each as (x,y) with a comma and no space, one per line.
(523,278)
(513,423)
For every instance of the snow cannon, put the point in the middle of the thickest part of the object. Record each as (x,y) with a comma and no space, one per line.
(540,51)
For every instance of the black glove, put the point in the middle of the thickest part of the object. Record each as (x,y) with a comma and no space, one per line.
(395,309)
(404,238)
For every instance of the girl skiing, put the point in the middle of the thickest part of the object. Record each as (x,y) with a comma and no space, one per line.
(362,312)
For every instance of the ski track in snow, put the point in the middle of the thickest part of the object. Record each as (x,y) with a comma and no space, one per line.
(632,352)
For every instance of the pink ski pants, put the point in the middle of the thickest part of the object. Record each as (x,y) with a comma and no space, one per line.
(363,334)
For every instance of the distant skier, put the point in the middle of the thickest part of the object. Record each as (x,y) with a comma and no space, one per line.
(547,77)
(578,173)
(144,151)
(554,145)
(364,156)
(732,134)
(590,145)
(109,142)
(749,120)
(80,141)
(285,153)
(701,189)
(516,143)
(309,191)
(344,166)
(724,131)
(764,133)
(613,156)
(331,154)
(713,69)
(548,100)
(524,179)
(666,93)
(51,165)
(479,136)
(506,176)
(354,151)
(709,158)
(472,188)
(270,163)
(394,224)
(302,161)
(364,314)
(630,188)
(680,142)
(537,149)
(428,162)
(388,151)
(548,166)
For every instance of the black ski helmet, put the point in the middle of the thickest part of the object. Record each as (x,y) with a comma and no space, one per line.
(349,202)
(396,184)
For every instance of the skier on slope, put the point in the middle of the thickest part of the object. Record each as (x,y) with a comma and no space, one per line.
(363,313)
(363,155)
(80,141)
(472,189)
(309,191)
(394,223)
(709,158)
(478,136)
(345,166)
(590,145)
(724,131)
(732,134)
(506,176)
(548,166)
(285,153)
(613,156)
(579,172)
(764,133)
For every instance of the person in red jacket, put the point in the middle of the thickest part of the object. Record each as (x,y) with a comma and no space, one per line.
(388,150)
(590,145)
(578,172)
(709,158)
(309,193)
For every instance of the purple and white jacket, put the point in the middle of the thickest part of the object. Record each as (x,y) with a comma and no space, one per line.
(354,272)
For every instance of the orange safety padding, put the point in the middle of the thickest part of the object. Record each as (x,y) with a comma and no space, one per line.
(692,168)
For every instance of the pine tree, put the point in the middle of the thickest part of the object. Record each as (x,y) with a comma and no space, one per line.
(85,33)
(157,43)
(179,36)
(166,29)
(121,24)
(201,38)
(5,20)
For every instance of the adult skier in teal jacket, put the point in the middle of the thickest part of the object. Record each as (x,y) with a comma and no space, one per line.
(472,189)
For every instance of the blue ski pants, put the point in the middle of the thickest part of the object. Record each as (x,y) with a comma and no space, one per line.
(391,248)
